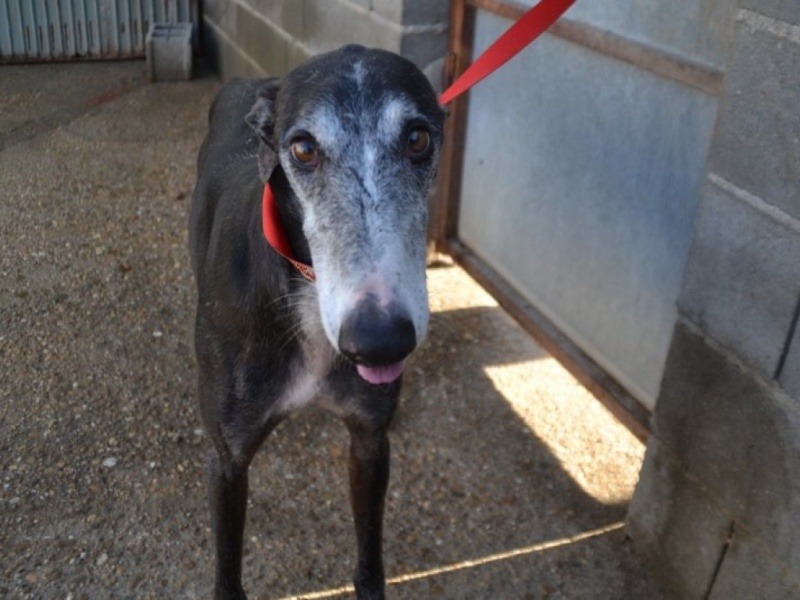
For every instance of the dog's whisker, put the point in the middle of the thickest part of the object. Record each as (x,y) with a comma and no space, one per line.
(292,334)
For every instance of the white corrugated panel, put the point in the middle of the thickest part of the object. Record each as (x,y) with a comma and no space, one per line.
(601,164)
(44,30)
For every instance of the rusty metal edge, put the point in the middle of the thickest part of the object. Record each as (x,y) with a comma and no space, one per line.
(448,185)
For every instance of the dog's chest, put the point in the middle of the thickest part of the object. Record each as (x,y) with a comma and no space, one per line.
(309,372)
(304,385)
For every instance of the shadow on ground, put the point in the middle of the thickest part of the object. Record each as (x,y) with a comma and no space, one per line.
(496,451)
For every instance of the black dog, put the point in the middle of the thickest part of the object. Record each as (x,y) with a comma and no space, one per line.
(348,144)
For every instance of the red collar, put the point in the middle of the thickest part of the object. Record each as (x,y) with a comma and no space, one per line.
(276,236)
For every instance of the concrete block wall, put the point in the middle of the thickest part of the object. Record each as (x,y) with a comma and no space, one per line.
(262,38)
(717,511)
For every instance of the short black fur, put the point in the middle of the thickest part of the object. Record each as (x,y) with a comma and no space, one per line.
(256,345)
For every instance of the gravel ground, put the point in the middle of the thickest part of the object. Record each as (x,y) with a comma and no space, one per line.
(509,480)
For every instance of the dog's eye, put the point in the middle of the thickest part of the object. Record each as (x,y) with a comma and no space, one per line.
(418,143)
(304,152)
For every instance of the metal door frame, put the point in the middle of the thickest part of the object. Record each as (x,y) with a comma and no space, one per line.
(597,380)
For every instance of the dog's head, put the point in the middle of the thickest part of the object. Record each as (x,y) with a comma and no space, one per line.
(358,134)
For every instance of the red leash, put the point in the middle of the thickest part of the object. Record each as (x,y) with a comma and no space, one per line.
(530,26)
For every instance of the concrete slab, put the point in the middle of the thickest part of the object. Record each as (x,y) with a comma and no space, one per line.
(509,479)
(743,559)
(692,528)
(724,451)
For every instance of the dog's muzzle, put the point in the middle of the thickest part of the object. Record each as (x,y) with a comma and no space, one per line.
(377,340)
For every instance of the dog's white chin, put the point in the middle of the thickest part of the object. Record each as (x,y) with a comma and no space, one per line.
(378,375)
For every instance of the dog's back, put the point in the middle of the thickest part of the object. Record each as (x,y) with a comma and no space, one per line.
(227,171)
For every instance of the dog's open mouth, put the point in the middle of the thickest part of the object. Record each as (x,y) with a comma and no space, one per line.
(378,375)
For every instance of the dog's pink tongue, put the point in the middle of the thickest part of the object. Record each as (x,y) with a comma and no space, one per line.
(376,375)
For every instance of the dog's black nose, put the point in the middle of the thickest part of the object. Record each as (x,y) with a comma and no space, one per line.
(375,336)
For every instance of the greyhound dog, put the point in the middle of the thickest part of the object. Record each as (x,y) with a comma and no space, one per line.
(347,146)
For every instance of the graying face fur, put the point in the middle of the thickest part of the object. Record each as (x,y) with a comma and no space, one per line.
(360,150)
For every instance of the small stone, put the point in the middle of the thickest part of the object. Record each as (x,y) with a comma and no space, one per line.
(102,559)
(110,462)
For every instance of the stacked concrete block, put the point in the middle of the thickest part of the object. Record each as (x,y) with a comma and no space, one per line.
(270,37)
(716,510)
(169,51)
(742,281)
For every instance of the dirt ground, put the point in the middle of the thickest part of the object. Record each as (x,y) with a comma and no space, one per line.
(509,480)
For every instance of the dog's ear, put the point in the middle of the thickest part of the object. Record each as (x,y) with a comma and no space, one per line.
(262,119)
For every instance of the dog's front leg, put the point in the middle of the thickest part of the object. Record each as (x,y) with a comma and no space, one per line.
(228,500)
(369,477)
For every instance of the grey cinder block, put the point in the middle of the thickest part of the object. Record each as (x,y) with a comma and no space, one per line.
(757,142)
(169,51)
(742,279)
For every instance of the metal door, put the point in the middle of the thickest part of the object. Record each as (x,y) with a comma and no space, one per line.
(51,30)
(573,173)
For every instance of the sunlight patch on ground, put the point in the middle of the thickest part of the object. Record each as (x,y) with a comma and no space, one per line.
(593,448)
(450,288)
(596,450)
